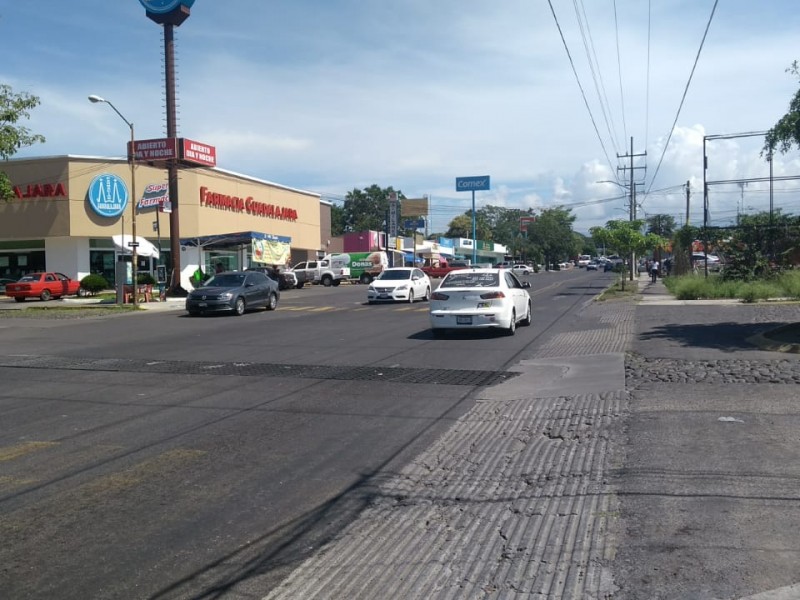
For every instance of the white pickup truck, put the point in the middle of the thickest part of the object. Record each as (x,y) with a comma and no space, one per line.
(330,270)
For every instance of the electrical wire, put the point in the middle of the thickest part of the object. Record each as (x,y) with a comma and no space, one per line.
(577,79)
(685,91)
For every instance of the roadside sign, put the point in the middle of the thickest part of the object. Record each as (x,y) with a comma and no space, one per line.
(472,184)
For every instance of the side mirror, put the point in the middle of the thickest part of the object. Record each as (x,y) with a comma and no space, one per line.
(526,284)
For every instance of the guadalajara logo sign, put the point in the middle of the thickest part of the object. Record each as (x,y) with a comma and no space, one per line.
(248,205)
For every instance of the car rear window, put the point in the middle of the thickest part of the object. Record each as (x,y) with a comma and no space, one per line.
(471,279)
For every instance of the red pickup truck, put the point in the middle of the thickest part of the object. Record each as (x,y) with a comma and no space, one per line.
(442,268)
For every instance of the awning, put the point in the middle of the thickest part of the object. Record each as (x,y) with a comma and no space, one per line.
(233,239)
(144,248)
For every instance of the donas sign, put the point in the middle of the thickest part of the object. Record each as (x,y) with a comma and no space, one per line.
(155,194)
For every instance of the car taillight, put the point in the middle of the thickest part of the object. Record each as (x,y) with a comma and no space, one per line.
(492,295)
(439,296)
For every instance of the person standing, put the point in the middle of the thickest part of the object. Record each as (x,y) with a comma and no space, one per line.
(654,271)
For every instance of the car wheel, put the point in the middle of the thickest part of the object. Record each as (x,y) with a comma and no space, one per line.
(512,328)
(238,307)
(528,315)
(45,295)
(300,285)
(411,296)
(272,302)
(336,282)
(365,278)
(327,280)
(82,293)
(20,298)
(427,294)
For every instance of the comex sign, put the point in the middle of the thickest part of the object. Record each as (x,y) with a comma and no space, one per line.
(472,184)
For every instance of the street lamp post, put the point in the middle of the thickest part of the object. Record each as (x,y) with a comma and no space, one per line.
(131,159)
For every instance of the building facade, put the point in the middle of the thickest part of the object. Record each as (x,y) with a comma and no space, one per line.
(74,215)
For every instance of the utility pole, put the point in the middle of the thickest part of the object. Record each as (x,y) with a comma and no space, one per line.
(688,196)
(632,210)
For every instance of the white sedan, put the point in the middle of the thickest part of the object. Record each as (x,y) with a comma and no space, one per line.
(399,284)
(480,299)
(521,270)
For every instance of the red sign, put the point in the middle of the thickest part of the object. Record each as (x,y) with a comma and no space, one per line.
(152,150)
(248,205)
(198,153)
(40,190)
(524,222)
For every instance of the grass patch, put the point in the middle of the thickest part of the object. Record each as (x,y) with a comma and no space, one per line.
(616,292)
(66,312)
(713,287)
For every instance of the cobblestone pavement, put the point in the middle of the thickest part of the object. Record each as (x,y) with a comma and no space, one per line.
(513,502)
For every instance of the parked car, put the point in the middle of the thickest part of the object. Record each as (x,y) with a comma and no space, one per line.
(521,270)
(43,285)
(714,262)
(592,266)
(286,279)
(399,284)
(480,299)
(234,291)
(3,282)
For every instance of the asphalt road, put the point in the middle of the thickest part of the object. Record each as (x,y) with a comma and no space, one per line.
(153,455)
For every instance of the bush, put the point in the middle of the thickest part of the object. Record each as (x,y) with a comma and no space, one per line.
(790,283)
(758,290)
(94,283)
(145,279)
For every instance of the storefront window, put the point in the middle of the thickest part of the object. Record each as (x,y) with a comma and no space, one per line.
(102,263)
(16,264)
(221,260)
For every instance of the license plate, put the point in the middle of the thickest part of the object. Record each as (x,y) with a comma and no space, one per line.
(463,320)
(383,295)
(202,304)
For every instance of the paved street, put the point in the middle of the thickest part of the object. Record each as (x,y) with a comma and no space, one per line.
(615,449)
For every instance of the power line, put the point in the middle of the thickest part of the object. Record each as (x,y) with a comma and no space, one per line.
(685,91)
(577,79)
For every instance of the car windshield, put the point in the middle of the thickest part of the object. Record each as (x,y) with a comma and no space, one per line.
(226,280)
(397,275)
(471,279)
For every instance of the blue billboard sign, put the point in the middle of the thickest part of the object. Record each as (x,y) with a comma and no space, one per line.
(472,184)
(108,195)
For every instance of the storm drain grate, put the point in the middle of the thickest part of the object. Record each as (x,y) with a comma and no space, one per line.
(244,369)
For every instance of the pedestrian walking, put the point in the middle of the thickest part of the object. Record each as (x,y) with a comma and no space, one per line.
(654,271)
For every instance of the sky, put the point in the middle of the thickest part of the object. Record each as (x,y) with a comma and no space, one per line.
(547,97)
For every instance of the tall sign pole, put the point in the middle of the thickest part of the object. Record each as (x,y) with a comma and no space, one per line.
(170,14)
(471,184)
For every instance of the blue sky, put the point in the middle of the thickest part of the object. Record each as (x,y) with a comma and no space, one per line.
(336,95)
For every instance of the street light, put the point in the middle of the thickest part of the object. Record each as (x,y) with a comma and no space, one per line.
(131,159)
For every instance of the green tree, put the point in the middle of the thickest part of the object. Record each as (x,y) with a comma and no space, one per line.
(626,239)
(661,225)
(368,209)
(337,220)
(550,236)
(461,226)
(13,137)
(786,131)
